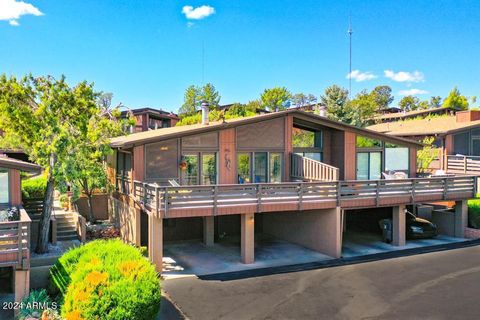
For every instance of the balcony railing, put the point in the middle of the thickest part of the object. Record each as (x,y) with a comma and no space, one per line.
(309,169)
(190,201)
(463,164)
(15,242)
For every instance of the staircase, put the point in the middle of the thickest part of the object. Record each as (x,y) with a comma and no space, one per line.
(308,169)
(66,226)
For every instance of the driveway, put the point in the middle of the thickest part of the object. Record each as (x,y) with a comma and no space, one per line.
(439,285)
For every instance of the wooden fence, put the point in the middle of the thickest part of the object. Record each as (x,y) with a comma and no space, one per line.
(463,164)
(15,242)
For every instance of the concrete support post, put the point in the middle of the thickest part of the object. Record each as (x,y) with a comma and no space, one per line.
(155,241)
(208,231)
(22,284)
(248,237)
(461,218)
(398,217)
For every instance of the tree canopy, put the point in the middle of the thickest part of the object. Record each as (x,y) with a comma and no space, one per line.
(195,95)
(276,99)
(409,103)
(456,100)
(382,97)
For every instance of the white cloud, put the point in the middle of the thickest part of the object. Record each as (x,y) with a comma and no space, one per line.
(12,10)
(197,13)
(404,76)
(412,92)
(361,76)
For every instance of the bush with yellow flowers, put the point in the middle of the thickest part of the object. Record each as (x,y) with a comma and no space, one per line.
(106,279)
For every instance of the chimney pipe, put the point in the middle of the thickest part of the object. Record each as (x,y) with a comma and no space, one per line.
(322,111)
(205,112)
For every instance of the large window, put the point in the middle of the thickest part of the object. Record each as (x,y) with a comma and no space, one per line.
(265,167)
(396,158)
(124,167)
(308,143)
(4,187)
(201,168)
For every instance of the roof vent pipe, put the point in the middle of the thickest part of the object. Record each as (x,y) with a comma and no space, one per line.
(205,112)
(322,111)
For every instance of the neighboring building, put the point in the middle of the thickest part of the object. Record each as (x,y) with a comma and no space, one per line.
(456,136)
(151,119)
(396,114)
(293,175)
(15,235)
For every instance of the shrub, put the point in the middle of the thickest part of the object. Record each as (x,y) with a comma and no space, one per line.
(106,279)
(37,304)
(474,213)
(34,188)
(63,199)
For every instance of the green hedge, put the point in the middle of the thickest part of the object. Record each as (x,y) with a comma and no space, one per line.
(34,188)
(106,279)
(474,213)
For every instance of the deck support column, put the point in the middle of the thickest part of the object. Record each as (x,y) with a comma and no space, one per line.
(155,241)
(461,218)
(398,218)
(208,231)
(248,237)
(22,284)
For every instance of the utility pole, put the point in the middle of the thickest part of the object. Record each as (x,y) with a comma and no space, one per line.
(350,31)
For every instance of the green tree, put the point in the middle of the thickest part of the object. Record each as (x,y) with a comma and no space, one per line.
(424,105)
(191,101)
(456,100)
(382,97)
(435,102)
(409,103)
(335,99)
(302,100)
(89,141)
(209,94)
(427,154)
(362,109)
(276,99)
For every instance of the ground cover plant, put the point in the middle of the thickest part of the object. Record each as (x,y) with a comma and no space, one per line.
(105,279)
(474,213)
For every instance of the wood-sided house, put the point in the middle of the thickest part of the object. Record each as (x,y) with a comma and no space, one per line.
(289,174)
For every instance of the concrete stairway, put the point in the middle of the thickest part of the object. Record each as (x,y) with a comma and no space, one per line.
(66,226)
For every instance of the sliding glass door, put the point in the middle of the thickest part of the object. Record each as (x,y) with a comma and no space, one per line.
(259,167)
(369,165)
(201,169)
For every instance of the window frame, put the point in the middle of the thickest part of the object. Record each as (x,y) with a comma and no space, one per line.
(251,155)
(9,195)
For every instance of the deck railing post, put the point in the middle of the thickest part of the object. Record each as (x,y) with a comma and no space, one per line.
(339,187)
(300,196)
(259,197)
(157,201)
(20,242)
(165,200)
(464,164)
(215,200)
(445,186)
(413,190)
(377,192)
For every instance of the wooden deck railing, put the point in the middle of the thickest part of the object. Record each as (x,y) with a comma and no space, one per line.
(15,242)
(123,184)
(463,164)
(189,201)
(309,169)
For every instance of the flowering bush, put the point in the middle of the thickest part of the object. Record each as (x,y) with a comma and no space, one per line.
(11,214)
(106,279)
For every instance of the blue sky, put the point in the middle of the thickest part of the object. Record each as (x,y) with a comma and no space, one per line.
(147,52)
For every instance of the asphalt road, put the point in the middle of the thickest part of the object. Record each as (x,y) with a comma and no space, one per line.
(439,285)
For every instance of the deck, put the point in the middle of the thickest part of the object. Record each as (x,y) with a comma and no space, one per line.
(463,164)
(195,201)
(15,242)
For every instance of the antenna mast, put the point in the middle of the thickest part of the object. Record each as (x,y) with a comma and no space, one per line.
(350,31)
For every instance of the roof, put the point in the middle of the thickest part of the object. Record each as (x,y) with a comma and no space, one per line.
(179,131)
(399,115)
(10,163)
(423,127)
(158,112)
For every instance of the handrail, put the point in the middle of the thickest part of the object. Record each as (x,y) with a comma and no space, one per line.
(463,164)
(259,196)
(309,169)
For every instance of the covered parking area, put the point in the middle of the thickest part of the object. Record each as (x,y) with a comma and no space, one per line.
(206,245)
(362,233)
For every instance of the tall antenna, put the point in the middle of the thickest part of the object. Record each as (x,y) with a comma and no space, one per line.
(203,62)
(350,31)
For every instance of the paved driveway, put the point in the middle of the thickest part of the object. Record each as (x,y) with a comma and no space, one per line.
(439,285)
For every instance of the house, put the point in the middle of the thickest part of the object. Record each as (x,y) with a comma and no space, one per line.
(151,119)
(457,138)
(15,232)
(396,114)
(293,175)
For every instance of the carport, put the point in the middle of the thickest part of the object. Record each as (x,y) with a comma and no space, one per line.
(239,242)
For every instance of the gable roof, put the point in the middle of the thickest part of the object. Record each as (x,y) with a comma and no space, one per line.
(10,163)
(424,127)
(179,131)
(400,115)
